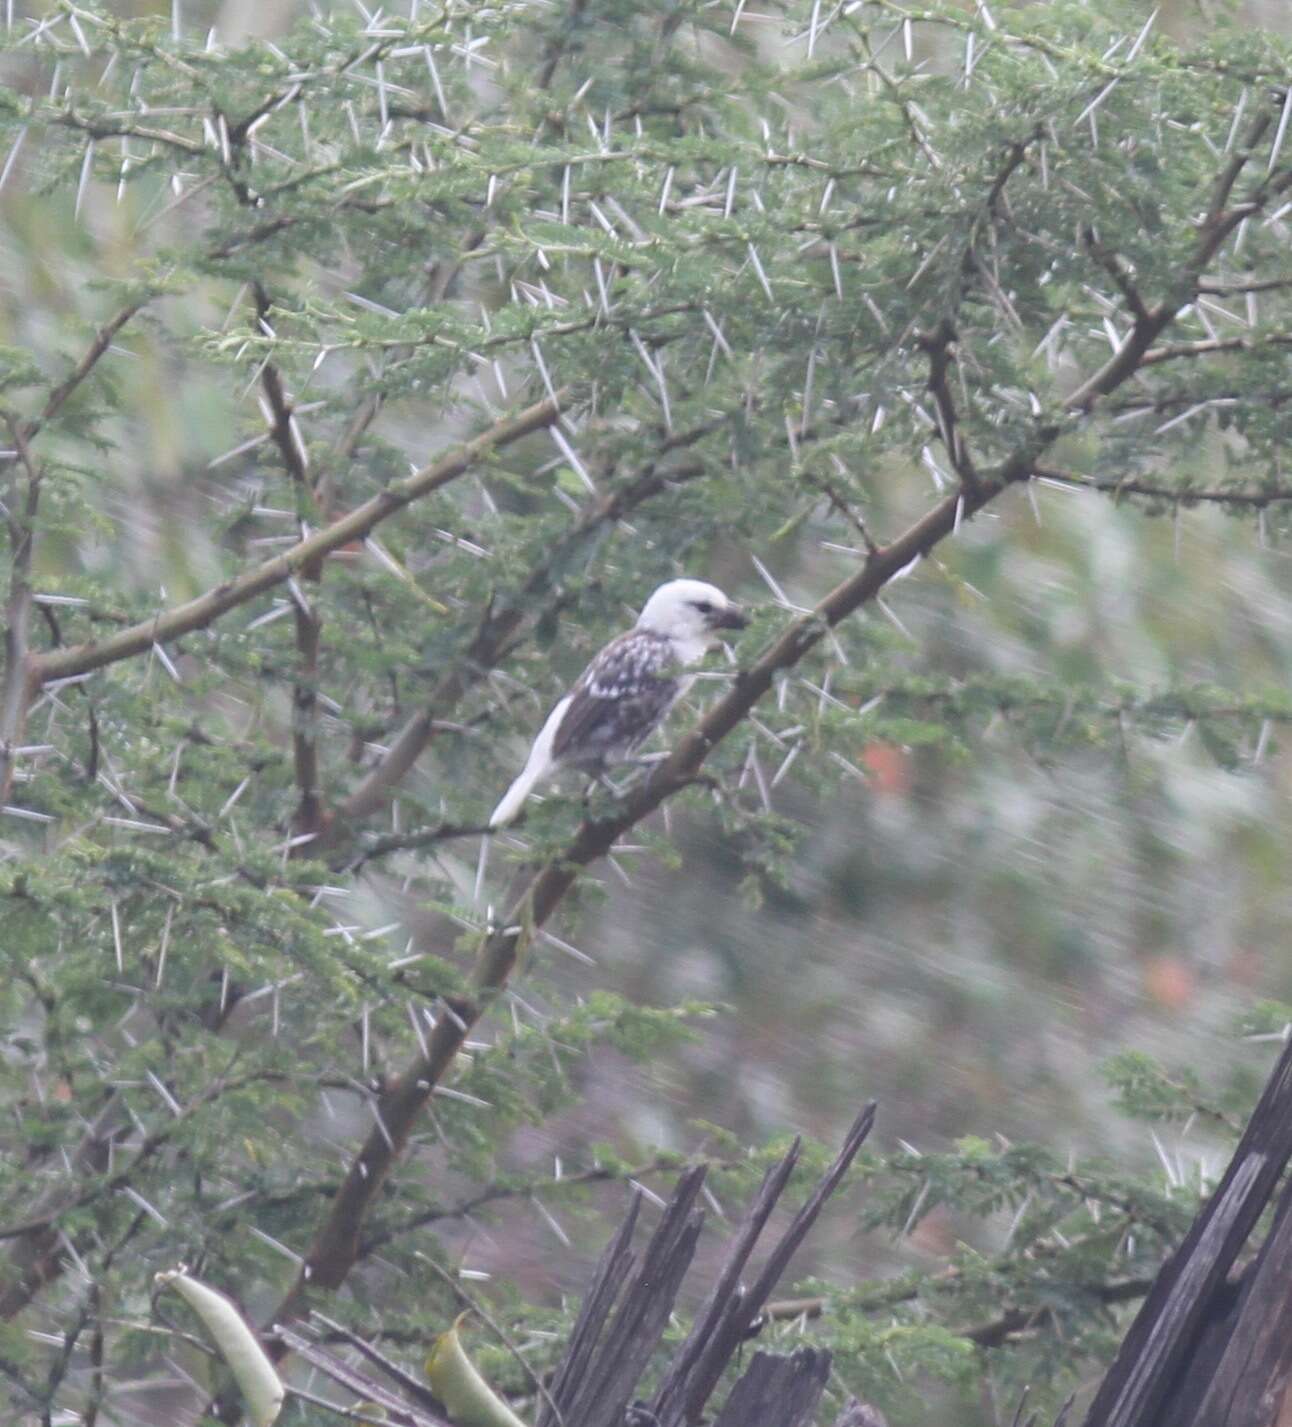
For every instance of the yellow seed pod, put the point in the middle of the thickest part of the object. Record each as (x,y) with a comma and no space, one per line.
(467,1397)
(238,1345)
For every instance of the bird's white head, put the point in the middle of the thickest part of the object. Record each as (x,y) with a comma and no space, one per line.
(690,612)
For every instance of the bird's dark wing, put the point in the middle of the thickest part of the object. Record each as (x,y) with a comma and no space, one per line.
(618,700)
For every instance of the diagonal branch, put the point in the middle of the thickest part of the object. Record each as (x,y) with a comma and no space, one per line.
(1221,219)
(337,1243)
(1214,228)
(208,607)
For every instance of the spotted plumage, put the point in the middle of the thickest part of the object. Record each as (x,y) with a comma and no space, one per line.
(618,700)
(626,692)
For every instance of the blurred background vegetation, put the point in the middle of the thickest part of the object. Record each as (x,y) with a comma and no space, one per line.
(1043,820)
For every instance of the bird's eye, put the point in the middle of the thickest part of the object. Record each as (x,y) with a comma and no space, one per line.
(704,606)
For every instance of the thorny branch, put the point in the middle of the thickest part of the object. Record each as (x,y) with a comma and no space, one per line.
(1217,224)
(989,1334)
(206,608)
(337,1242)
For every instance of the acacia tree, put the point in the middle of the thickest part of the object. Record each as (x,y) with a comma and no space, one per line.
(500,316)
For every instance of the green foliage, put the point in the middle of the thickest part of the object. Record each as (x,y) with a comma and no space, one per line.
(247,284)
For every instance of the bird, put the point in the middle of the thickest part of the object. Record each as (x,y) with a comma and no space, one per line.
(626,691)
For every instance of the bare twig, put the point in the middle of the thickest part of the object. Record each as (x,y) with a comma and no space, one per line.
(1016,1321)
(841,506)
(1221,287)
(410,842)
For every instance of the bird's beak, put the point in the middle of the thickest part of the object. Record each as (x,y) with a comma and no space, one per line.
(733,617)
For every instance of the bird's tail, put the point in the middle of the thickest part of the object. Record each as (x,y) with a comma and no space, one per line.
(513,799)
(538,766)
